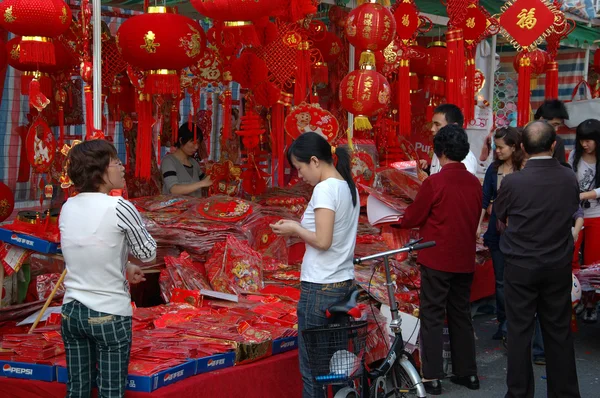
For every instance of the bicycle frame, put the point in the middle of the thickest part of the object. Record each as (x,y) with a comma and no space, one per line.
(397,349)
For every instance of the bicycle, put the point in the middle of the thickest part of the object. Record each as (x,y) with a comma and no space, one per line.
(396,376)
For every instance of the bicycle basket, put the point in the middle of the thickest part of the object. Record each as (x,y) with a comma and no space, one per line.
(335,352)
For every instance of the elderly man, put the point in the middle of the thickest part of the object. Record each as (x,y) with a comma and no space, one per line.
(537,205)
(447,211)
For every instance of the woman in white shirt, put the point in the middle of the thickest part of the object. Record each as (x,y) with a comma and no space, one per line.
(585,160)
(98,232)
(328,227)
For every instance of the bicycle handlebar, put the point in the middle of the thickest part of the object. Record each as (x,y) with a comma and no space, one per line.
(413,246)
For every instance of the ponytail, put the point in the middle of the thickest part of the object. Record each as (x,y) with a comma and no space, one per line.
(343,167)
(312,144)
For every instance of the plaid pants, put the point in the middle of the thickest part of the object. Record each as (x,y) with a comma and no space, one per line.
(97,347)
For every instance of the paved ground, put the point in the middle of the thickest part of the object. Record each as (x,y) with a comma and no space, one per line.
(491,361)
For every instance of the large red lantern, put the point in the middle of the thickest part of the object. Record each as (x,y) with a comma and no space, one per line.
(38,21)
(364,93)
(372,27)
(161,43)
(437,59)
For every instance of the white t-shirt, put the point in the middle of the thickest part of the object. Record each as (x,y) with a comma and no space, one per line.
(97,232)
(334,264)
(470,163)
(586,176)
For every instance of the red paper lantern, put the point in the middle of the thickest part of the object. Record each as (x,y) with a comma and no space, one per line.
(7,202)
(38,21)
(370,26)
(437,59)
(539,61)
(161,43)
(364,93)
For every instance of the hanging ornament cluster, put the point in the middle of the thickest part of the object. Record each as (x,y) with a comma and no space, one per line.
(561,31)
(253,178)
(38,22)
(161,43)
(525,24)
(364,93)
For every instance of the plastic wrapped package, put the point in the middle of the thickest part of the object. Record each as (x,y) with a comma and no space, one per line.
(181,273)
(164,203)
(397,183)
(262,239)
(46,283)
(46,264)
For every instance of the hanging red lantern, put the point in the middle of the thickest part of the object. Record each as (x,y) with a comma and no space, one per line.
(38,21)
(364,93)
(538,59)
(330,47)
(437,59)
(372,27)
(161,43)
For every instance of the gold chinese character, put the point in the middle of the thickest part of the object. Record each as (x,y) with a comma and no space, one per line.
(368,19)
(471,23)
(8,15)
(527,19)
(149,44)
(406,20)
(63,17)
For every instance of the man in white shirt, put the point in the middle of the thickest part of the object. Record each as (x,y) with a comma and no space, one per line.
(444,115)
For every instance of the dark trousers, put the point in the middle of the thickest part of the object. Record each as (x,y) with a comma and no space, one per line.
(547,293)
(446,294)
(498,261)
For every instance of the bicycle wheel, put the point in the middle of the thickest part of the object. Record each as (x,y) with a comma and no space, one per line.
(402,380)
(347,392)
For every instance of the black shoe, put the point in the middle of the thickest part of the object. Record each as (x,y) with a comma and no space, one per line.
(471,382)
(433,387)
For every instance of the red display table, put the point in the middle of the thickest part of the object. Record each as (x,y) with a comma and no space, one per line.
(277,376)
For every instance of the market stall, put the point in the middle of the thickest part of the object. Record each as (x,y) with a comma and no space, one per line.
(246,80)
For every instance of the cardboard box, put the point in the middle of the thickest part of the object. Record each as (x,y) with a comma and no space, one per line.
(215,362)
(147,383)
(28,242)
(29,371)
(285,344)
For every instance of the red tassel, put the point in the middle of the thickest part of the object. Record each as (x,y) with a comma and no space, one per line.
(302,72)
(470,90)
(552,80)
(226,115)
(37,52)
(24,166)
(143,152)
(161,84)
(174,122)
(146,5)
(277,136)
(455,83)
(524,93)
(44,80)
(61,126)
(404,106)
(89,110)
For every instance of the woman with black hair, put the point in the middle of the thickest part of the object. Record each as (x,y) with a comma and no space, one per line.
(328,227)
(509,158)
(181,172)
(446,210)
(97,232)
(585,160)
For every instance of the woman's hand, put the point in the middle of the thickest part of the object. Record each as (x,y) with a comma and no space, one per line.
(135,274)
(285,227)
(206,182)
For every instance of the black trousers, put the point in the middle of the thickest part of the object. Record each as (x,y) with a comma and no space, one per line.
(446,294)
(547,293)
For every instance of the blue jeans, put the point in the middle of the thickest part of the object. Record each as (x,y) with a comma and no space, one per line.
(498,261)
(538,341)
(314,300)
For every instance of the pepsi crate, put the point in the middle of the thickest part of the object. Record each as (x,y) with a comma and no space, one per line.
(147,383)
(215,362)
(285,344)
(29,242)
(29,371)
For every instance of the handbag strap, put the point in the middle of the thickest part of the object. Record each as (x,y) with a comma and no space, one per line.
(586,84)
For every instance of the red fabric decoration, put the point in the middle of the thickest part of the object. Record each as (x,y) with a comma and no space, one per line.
(364,93)
(308,117)
(38,21)
(526,22)
(41,146)
(330,46)
(597,61)
(538,59)
(249,70)
(437,60)
(552,80)
(161,43)
(226,114)
(24,167)
(404,88)
(370,26)
(302,84)
(266,94)
(3,56)
(143,150)
(277,137)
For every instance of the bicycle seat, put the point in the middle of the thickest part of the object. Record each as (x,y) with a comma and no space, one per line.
(345,306)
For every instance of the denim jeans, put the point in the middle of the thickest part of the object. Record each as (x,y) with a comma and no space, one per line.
(498,261)
(538,341)
(314,300)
